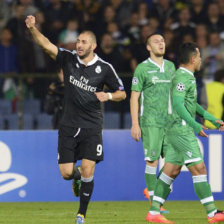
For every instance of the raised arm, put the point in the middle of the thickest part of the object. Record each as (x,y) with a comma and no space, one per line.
(40,39)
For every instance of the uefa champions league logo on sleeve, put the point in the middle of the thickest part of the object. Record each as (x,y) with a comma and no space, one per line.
(9,181)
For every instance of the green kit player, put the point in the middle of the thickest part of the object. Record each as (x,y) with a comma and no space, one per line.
(181,146)
(150,104)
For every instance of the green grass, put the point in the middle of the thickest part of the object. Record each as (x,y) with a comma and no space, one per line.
(182,212)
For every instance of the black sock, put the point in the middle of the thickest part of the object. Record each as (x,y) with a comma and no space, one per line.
(77,174)
(85,194)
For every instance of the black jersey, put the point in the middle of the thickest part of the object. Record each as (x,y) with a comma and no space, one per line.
(81,106)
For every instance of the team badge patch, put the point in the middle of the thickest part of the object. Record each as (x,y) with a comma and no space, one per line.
(98,69)
(180,87)
(135,81)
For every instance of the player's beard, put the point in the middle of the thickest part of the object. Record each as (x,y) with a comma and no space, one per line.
(158,55)
(86,54)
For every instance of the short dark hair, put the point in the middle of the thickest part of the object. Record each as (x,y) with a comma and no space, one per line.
(149,36)
(186,51)
(91,35)
(219,75)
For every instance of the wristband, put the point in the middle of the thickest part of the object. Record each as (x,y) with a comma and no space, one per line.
(110,96)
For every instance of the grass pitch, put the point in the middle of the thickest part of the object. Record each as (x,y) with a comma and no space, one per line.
(131,212)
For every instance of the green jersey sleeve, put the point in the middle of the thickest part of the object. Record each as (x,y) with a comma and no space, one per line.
(138,79)
(206,115)
(178,106)
(179,86)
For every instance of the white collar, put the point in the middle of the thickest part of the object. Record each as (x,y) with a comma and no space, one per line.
(186,70)
(160,67)
(90,62)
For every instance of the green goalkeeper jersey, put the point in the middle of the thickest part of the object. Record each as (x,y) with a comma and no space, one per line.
(153,81)
(183,85)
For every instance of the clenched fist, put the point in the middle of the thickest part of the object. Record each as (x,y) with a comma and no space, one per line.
(30,21)
(102,96)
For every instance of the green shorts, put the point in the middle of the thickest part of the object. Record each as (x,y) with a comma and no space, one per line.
(182,150)
(152,139)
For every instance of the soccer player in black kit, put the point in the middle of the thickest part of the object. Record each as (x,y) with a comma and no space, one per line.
(80,131)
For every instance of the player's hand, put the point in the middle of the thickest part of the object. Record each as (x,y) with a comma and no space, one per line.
(102,96)
(221,127)
(202,133)
(30,21)
(52,86)
(136,132)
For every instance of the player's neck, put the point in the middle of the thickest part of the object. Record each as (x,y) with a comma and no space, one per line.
(157,60)
(188,67)
(87,59)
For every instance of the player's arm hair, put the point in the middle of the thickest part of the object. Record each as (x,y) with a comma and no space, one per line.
(41,40)
(206,115)
(178,106)
(134,106)
(118,95)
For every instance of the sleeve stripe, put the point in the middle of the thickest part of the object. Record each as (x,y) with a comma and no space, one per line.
(63,49)
(111,66)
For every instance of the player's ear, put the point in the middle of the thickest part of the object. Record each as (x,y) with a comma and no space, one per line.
(148,47)
(94,45)
(192,60)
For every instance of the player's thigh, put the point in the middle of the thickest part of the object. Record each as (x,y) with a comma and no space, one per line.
(67,143)
(152,139)
(91,147)
(188,146)
(172,155)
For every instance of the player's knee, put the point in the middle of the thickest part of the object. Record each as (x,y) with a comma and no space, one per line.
(66,174)
(202,169)
(198,169)
(175,173)
(87,172)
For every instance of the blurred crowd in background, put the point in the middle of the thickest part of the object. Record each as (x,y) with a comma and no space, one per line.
(121,28)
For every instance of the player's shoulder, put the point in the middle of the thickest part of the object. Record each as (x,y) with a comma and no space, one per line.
(169,63)
(66,51)
(181,75)
(104,64)
(143,65)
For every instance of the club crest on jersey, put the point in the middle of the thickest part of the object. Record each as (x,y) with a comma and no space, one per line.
(180,87)
(98,69)
(135,81)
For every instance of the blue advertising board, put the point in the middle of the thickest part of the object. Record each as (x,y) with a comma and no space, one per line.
(29,170)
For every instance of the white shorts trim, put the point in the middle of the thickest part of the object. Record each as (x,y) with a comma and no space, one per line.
(192,160)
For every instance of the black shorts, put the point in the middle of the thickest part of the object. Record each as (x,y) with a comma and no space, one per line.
(79,143)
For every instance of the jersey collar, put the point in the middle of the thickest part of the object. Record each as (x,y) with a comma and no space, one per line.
(186,70)
(160,67)
(90,62)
